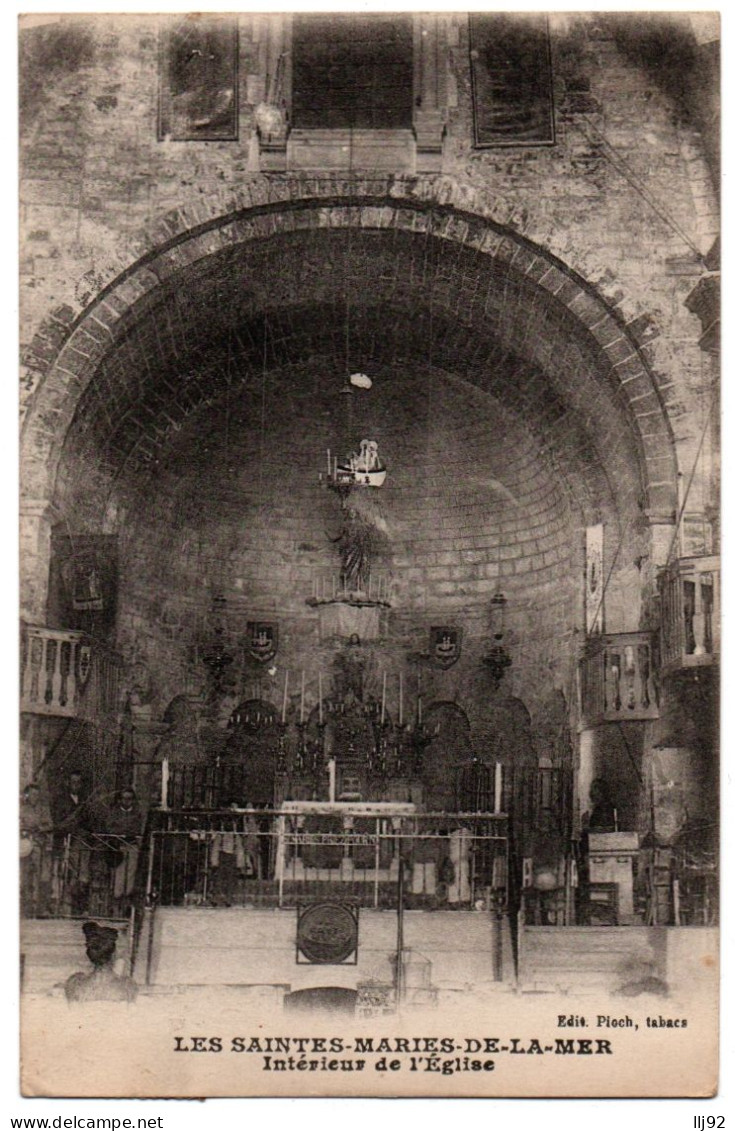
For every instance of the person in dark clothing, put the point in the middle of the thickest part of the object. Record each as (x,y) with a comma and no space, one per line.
(125,825)
(71,808)
(603,818)
(71,842)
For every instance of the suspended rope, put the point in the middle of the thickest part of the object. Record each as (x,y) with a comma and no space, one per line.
(618,163)
(263,401)
(601,602)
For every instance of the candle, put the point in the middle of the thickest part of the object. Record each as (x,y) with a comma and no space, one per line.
(382,705)
(164,783)
(285,697)
(498,786)
(400,698)
(303,687)
(418,703)
(329,463)
(332,766)
(321,712)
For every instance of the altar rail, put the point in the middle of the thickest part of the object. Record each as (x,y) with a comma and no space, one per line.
(690,612)
(616,679)
(272,858)
(67,674)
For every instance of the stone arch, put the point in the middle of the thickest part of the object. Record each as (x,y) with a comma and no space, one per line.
(68,349)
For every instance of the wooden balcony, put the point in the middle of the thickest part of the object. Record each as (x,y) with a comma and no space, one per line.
(690,612)
(67,674)
(616,679)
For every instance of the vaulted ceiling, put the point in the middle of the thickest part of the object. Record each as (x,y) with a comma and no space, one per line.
(378,301)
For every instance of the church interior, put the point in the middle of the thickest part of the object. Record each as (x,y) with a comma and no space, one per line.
(369,502)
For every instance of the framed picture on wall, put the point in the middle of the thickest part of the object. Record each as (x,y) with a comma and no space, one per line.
(512,93)
(198,98)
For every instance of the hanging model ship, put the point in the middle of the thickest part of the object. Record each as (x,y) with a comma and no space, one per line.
(360,469)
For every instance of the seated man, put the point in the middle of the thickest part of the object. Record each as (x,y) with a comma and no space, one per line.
(124,827)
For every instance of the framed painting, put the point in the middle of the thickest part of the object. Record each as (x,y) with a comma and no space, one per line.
(512,92)
(198,79)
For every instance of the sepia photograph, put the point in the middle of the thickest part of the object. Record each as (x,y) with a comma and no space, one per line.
(369,554)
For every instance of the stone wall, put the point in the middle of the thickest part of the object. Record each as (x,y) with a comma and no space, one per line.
(240,510)
(629,208)
(577,258)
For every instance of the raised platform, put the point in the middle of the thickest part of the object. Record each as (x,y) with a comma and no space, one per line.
(625,961)
(445,952)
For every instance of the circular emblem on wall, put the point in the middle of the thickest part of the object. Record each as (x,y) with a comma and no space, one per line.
(327,933)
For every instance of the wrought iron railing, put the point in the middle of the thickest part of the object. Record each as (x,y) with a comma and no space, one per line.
(690,612)
(616,679)
(278,858)
(67,674)
(77,875)
(180,786)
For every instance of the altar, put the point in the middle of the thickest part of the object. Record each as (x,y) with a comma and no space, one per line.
(340,842)
(379,844)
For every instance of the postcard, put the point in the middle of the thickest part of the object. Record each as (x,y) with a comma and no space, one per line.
(370,536)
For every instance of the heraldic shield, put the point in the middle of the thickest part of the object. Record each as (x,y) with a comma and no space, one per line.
(84,663)
(445,645)
(262,640)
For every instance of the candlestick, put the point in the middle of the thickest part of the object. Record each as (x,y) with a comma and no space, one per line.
(285,697)
(400,698)
(321,711)
(164,783)
(498,786)
(382,705)
(303,687)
